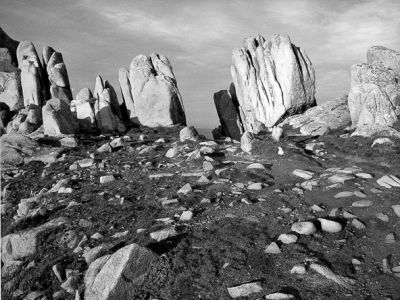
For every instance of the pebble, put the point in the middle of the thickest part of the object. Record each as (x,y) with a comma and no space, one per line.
(303,174)
(85,163)
(396,209)
(120,234)
(171,152)
(185,189)
(305,228)
(280,151)
(203,179)
(334,212)
(205,201)
(329,274)
(160,175)
(309,184)
(287,238)
(362,203)
(344,194)
(359,194)
(186,216)
(330,226)
(340,178)
(358,224)
(298,269)
(255,186)
(298,191)
(273,248)
(390,238)
(107,179)
(245,290)
(163,234)
(348,215)
(255,166)
(380,141)
(104,148)
(97,236)
(382,217)
(166,202)
(364,175)
(316,208)
(389,181)
(279,296)
(375,191)
(207,166)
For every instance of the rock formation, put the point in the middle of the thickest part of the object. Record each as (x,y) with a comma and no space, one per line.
(10,44)
(155,95)
(58,119)
(320,119)
(58,81)
(11,90)
(374,98)
(125,86)
(227,109)
(83,109)
(273,78)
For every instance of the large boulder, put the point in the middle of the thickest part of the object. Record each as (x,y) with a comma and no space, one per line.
(155,93)
(273,78)
(389,57)
(370,104)
(83,109)
(58,118)
(321,119)
(115,276)
(227,109)
(15,147)
(11,90)
(125,86)
(107,121)
(375,73)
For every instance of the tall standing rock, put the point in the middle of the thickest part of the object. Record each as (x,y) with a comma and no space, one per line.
(125,86)
(227,109)
(273,78)
(83,108)
(155,93)
(58,81)
(31,74)
(58,118)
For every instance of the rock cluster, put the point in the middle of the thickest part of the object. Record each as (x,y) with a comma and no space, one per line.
(374,98)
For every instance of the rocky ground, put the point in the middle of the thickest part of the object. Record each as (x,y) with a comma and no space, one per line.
(159,218)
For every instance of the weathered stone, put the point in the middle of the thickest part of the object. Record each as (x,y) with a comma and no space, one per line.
(375,73)
(163,234)
(227,109)
(127,94)
(58,119)
(115,276)
(304,227)
(15,147)
(83,109)
(321,119)
(307,175)
(376,130)
(156,96)
(272,78)
(245,290)
(107,121)
(389,181)
(329,225)
(246,142)
(188,133)
(388,57)
(11,90)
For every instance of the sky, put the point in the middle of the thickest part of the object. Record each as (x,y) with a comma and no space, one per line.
(99,37)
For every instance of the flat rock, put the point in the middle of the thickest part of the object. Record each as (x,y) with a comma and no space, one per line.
(330,226)
(307,175)
(344,194)
(106,179)
(163,234)
(396,209)
(245,290)
(362,203)
(287,238)
(305,228)
(185,189)
(273,248)
(389,181)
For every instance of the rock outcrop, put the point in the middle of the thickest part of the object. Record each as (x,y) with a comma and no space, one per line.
(320,119)
(154,91)
(15,147)
(273,78)
(227,109)
(58,118)
(374,98)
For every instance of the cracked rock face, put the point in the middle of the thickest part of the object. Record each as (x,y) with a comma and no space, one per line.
(388,57)
(273,78)
(157,101)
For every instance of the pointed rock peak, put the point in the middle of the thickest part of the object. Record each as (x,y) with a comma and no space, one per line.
(162,65)
(46,53)
(84,94)
(123,71)
(26,51)
(98,87)
(105,95)
(55,58)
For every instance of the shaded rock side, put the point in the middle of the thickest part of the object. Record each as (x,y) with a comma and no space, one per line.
(15,147)
(125,86)
(58,118)
(6,61)
(11,90)
(106,120)
(10,44)
(320,119)
(154,90)
(273,78)
(116,276)
(227,109)
(388,57)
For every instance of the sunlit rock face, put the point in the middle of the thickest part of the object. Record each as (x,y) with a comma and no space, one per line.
(273,79)
(154,92)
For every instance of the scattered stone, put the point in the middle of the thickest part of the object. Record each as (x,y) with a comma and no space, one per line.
(273,248)
(287,238)
(305,228)
(348,215)
(277,133)
(188,134)
(329,274)
(364,175)
(186,216)
(245,290)
(382,217)
(396,209)
(280,151)
(203,180)
(298,270)
(344,194)
(362,203)
(316,208)
(255,166)
(340,178)
(389,181)
(307,175)
(358,224)
(390,238)
(255,186)
(107,179)
(160,175)
(104,148)
(279,296)
(185,189)
(172,152)
(330,226)
(359,194)
(163,234)
(309,184)
(85,163)
(382,141)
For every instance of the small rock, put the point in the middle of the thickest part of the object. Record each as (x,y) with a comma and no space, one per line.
(185,189)
(245,290)
(396,209)
(329,274)
(255,166)
(334,212)
(117,143)
(188,134)
(163,234)
(203,179)
(305,228)
(309,184)
(104,148)
(381,141)
(160,175)
(340,178)
(255,186)
(106,179)
(303,174)
(287,238)
(186,216)
(246,142)
(344,194)
(389,181)
(329,225)
(85,163)
(348,215)
(382,217)
(69,142)
(362,203)
(279,296)
(390,238)
(364,175)
(120,234)
(172,152)
(277,133)
(207,166)
(359,194)
(316,208)
(97,236)
(280,151)
(273,248)
(298,269)
(358,224)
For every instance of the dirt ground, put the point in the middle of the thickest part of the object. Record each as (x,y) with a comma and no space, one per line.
(224,243)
